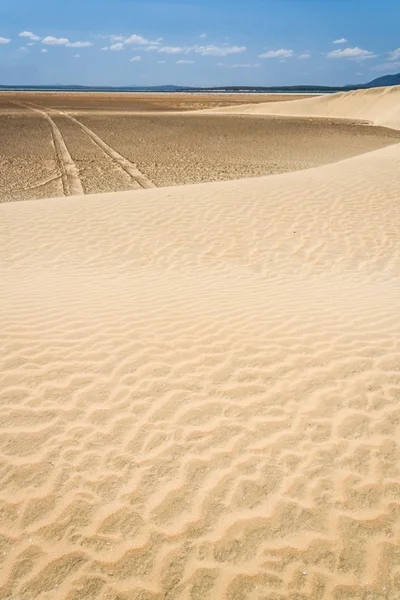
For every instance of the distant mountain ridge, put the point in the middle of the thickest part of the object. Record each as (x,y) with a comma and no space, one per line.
(385,80)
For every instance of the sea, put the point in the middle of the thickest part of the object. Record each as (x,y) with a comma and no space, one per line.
(172,89)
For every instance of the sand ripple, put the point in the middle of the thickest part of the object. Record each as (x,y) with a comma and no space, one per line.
(200,391)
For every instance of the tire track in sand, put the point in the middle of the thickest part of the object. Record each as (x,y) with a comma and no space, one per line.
(130,168)
(71,182)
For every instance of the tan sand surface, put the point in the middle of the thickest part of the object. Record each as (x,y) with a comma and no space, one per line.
(378,105)
(28,163)
(200,390)
(136,102)
(184,148)
(60,145)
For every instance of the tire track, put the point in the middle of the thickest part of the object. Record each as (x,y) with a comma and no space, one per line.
(130,168)
(41,183)
(71,182)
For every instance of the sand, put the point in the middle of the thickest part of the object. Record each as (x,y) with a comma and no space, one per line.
(200,390)
(184,149)
(133,102)
(380,106)
(73,144)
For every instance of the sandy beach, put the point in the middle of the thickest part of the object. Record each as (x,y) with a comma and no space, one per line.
(200,383)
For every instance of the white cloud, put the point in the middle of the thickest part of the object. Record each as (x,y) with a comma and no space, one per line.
(138,40)
(161,62)
(339,41)
(218,50)
(76,56)
(30,35)
(30,43)
(167,49)
(4,40)
(79,44)
(135,59)
(23,49)
(185,62)
(44,51)
(203,36)
(210,50)
(395,54)
(246,66)
(110,36)
(352,53)
(115,47)
(281,53)
(53,41)
(304,55)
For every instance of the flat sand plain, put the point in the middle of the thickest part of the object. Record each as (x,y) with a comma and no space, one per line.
(200,387)
(139,102)
(62,144)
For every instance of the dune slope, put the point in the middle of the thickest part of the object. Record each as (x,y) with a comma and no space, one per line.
(200,390)
(381,106)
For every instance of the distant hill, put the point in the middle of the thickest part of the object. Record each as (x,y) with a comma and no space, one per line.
(384,81)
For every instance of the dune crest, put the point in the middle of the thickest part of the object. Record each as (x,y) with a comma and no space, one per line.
(380,106)
(200,390)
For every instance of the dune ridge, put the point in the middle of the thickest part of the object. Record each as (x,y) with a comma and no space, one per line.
(380,106)
(200,390)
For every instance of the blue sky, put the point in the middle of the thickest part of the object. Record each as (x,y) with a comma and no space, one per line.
(198,42)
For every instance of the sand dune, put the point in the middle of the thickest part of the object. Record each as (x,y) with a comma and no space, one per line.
(380,106)
(200,390)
